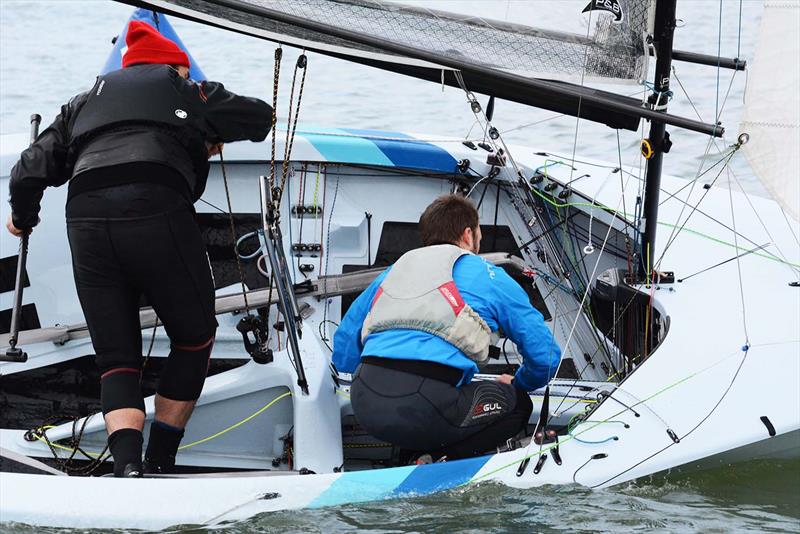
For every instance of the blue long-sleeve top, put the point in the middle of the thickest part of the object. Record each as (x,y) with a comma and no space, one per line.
(492,293)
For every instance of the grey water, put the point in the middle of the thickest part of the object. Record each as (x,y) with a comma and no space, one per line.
(52,49)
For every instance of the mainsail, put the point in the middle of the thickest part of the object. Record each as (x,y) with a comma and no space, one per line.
(510,61)
(612,46)
(771,115)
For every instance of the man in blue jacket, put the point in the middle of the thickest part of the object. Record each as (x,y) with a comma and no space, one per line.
(415,337)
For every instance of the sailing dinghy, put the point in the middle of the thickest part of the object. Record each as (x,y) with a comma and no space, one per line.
(681,356)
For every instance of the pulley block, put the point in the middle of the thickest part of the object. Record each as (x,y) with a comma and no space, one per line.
(255,336)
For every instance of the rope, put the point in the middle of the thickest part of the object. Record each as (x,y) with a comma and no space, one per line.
(703,420)
(237,425)
(233,231)
(294,113)
(583,300)
(595,424)
(40,435)
(275,79)
(95,460)
(626,215)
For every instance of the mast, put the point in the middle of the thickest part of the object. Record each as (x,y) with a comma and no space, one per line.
(658,139)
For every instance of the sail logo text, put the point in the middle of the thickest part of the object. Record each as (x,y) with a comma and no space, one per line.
(611,6)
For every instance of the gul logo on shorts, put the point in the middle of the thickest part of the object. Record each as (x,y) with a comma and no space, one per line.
(181,114)
(489,408)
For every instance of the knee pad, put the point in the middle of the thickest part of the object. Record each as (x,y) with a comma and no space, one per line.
(185,371)
(119,388)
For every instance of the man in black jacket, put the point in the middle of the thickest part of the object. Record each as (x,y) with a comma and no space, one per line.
(135,151)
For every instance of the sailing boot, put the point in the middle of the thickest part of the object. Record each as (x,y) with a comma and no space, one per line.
(133,470)
(162,448)
(126,448)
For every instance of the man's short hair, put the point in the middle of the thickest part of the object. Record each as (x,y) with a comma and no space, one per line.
(445,220)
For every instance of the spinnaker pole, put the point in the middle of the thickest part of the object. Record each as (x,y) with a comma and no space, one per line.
(657,142)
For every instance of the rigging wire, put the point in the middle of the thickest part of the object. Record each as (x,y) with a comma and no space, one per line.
(795,272)
(674,235)
(726,261)
(739,33)
(687,434)
(789,224)
(616,415)
(745,348)
(739,267)
(578,315)
(747,196)
(718,111)
(583,300)
(623,216)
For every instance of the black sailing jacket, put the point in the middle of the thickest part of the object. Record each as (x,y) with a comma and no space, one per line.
(143,113)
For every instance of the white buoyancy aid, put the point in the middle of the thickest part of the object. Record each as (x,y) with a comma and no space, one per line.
(419,294)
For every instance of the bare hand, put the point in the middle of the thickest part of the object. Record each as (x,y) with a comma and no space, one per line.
(13,229)
(214,149)
(504,379)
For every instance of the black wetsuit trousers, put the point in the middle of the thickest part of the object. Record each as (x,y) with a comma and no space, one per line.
(423,414)
(117,260)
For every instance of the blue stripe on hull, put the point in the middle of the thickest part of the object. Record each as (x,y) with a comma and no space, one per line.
(375,484)
(410,154)
(345,149)
(431,478)
(362,486)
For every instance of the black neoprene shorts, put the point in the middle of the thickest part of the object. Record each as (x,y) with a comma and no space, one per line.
(423,414)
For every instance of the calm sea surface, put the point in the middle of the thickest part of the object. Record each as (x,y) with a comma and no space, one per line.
(52,49)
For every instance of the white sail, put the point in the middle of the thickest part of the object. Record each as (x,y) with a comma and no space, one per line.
(772,106)
(600,40)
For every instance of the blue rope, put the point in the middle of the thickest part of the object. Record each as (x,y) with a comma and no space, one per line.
(589,442)
(652,87)
(555,282)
